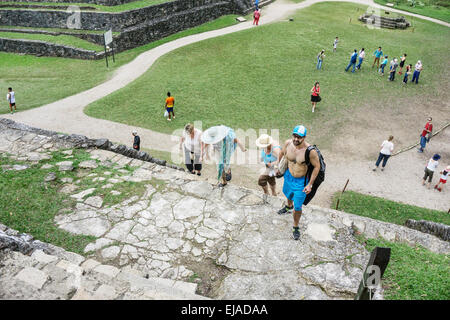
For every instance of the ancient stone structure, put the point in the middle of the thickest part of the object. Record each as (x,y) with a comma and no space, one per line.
(180,229)
(137,27)
(384,22)
(439,230)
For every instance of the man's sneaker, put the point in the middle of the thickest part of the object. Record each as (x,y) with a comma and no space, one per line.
(296,233)
(286,210)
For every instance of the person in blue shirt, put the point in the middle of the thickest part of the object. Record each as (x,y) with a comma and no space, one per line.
(352,61)
(383,64)
(378,54)
(270,150)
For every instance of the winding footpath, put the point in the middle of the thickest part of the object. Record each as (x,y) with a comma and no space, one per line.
(67,115)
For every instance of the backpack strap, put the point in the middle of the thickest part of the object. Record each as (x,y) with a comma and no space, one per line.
(308,150)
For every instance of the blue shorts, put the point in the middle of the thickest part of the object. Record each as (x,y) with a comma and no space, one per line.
(169,109)
(293,189)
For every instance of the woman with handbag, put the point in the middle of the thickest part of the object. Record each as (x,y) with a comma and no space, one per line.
(315,92)
(193,148)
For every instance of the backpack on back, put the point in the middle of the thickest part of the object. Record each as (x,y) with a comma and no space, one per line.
(320,176)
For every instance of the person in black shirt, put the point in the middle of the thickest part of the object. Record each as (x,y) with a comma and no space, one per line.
(137,141)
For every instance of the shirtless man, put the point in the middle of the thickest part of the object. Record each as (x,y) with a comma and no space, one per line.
(296,186)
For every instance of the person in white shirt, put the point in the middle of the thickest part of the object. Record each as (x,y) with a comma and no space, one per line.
(335,43)
(386,150)
(11,97)
(193,148)
(430,168)
(443,179)
(362,55)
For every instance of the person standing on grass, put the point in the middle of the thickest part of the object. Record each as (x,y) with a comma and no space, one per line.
(443,179)
(335,43)
(352,61)
(296,185)
(393,67)
(386,150)
(418,68)
(433,163)
(256,16)
(315,95)
(270,150)
(383,64)
(402,63)
(193,148)
(426,135)
(378,54)
(11,97)
(361,57)
(407,73)
(170,103)
(137,141)
(320,57)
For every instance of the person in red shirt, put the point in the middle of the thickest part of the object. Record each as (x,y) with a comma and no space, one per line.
(256,16)
(315,92)
(426,134)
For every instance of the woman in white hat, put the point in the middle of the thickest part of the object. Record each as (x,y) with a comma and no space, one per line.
(269,155)
(224,142)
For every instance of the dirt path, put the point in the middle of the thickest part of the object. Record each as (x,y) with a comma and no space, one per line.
(400,182)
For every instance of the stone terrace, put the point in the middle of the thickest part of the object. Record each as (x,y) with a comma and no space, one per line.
(230,241)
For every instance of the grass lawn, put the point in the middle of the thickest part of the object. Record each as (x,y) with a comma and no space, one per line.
(29,205)
(60,39)
(41,80)
(438,9)
(123,7)
(386,210)
(262,77)
(414,273)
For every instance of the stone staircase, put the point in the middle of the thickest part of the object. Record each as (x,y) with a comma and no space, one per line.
(63,276)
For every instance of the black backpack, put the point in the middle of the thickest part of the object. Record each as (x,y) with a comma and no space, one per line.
(320,176)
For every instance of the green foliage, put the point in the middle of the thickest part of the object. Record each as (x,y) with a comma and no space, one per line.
(262,77)
(438,9)
(414,273)
(386,210)
(41,80)
(66,40)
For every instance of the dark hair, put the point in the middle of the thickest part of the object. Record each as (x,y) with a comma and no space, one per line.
(386,57)
(168,94)
(379,47)
(405,54)
(362,49)
(391,138)
(315,84)
(10,89)
(356,50)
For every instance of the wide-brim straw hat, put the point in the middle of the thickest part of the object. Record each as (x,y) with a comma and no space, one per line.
(215,134)
(264,141)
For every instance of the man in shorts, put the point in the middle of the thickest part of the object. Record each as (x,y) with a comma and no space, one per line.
(296,186)
(11,97)
(170,103)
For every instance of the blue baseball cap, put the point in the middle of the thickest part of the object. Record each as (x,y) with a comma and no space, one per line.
(300,131)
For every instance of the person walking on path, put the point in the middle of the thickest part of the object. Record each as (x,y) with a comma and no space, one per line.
(256,16)
(270,150)
(393,67)
(361,57)
(335,43)
(402,63)
(383,64)
(320,57)
(433,163)
(11,97)
(407,73)
(386,150)
(170,103)
(378,54)
(296,186)
(315,95)
(137,141)
(425,136)
(417,69)
(443,179)
(224,142)
(352,61)
(193,148)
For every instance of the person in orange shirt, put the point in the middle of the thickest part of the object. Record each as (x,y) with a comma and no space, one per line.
(170,102)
